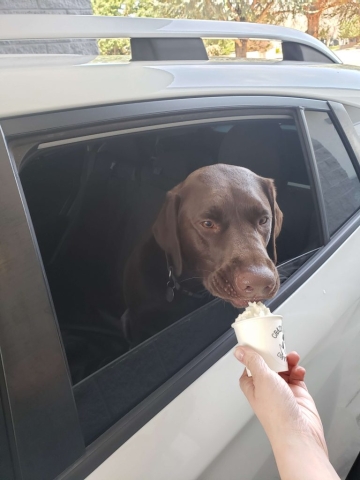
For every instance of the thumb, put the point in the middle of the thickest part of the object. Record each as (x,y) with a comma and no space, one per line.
(258,368)
(253,361)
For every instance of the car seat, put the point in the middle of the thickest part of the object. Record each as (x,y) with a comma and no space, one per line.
(264,148)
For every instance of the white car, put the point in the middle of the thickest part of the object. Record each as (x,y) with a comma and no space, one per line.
(88,150)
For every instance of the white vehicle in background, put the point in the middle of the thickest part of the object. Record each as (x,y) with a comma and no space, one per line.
(87,152)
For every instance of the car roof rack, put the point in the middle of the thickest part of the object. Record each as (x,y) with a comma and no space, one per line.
(297,45)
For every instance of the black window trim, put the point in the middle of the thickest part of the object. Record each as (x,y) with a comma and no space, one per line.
(111,440)
(45,122)
(130,127)
(27,322)
(309,155)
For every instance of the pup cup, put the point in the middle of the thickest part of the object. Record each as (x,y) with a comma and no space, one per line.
(259,329)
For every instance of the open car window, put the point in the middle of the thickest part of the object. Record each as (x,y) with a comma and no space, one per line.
(90,205)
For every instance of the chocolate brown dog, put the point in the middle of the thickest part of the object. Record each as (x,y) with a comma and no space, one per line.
(215,233)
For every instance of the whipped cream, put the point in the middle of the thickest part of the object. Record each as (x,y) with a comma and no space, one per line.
(254,310)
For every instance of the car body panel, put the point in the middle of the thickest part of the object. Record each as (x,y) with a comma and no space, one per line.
(210,431)
(62,87)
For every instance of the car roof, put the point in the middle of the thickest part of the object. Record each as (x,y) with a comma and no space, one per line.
(29,84)
(32,84)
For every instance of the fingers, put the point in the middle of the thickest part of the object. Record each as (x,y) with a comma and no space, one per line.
(257,366)
(297,374)
(252,360)
(292,359)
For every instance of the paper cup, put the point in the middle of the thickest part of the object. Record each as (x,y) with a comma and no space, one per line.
(265,335)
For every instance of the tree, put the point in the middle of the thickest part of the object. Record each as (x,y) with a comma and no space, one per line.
(315,10)
(350,28)
(325,34)
(125,8)
(257,11)
(348,10)
(249,11)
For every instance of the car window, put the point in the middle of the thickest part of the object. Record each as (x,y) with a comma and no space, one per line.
(354,114)
(339,182)
(92,204)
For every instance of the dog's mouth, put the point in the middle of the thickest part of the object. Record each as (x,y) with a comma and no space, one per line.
(243,303)
(221,287)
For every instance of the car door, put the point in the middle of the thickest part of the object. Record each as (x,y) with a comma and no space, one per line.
(209,431)
(194,422)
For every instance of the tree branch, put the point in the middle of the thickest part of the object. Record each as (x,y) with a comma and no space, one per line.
(233,10)
(265,11)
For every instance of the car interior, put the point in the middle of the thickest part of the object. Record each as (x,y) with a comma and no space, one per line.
(91,202)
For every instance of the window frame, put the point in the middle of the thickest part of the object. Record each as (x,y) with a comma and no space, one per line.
(54,126)
(31,350)
(314,177)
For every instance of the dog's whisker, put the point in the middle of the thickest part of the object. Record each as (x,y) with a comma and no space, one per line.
(203,291)
(190,278)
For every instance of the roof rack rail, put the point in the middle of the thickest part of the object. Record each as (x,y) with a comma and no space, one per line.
(21,27)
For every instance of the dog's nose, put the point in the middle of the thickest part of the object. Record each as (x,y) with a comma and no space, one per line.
(256,282)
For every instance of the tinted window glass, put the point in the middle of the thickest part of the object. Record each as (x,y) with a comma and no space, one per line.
(354,114)
(339,182)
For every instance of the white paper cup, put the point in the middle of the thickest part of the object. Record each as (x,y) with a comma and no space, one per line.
(265,335)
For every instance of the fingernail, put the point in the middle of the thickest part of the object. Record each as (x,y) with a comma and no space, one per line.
(239,353)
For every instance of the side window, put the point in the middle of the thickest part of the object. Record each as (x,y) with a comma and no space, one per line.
(354,114)
(126,325)
(339,182)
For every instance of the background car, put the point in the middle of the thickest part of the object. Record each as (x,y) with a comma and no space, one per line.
(87,153)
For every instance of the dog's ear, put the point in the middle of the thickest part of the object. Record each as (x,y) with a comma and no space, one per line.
(165,230)
(277,219)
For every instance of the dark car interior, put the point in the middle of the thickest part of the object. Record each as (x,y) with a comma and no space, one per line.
(91,203)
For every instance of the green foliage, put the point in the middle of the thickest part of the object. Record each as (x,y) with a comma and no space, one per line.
(195,9)
(218,48)
(124,8)
(350,28)
(113,46)
(233,10)
(324,32)
(260,11)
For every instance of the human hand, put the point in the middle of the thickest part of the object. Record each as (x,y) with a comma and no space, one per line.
(281,402)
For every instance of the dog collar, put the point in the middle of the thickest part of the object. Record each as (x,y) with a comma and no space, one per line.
(173,284)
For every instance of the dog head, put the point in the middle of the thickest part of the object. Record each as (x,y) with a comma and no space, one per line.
(221,225)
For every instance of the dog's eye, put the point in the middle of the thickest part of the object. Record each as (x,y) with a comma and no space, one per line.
(207,224)
(263,220)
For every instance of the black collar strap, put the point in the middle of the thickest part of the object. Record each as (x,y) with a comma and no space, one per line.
(173,285)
